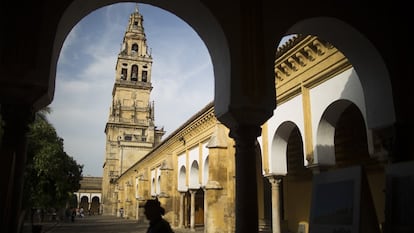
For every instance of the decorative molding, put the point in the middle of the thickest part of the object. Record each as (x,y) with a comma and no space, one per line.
(306,61)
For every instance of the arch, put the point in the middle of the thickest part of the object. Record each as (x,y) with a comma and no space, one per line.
(324,153)
(351,141)
(144,76)
(84,203)
(205,171)
(94,207)
(134,73)
(364,57)
(84,196)
(95,198)
(191,12)
(279,147)
(295,155)
(194,176)
(96,195)
(182,187)
(134,48)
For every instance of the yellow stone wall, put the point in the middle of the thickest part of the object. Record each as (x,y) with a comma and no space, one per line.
(299,67)
(202,129)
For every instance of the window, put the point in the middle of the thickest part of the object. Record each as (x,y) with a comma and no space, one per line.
(128,137)
(134,73)
(144,75)
(134,48)
(123,74)
(143,136)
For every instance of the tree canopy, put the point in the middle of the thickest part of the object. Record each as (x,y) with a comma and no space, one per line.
(51,175)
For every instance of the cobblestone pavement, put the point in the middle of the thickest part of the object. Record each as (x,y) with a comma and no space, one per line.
(99,224)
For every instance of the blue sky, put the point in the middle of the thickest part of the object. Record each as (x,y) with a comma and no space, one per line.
(182,77)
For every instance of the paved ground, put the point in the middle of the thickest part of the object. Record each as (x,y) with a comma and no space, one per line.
(99,224)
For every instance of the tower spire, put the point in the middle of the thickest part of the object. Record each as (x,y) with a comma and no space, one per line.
(136,8)
(135,24)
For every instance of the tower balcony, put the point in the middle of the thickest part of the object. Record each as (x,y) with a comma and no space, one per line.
(132,84)
(130,121)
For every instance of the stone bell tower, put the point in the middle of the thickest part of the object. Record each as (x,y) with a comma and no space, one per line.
(130,131)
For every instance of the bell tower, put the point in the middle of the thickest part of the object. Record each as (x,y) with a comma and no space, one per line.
(130,130)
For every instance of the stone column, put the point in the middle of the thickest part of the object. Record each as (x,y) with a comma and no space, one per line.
(275,182)
(181,217)
(192,214)
(205,210)
(246,180)
(13,147)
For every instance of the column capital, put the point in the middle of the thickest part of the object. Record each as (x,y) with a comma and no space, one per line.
(274,179)
(192,191)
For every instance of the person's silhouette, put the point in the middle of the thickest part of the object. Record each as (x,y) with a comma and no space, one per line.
(154,213)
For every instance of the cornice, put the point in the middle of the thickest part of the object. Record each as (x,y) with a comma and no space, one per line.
(128,125)
(306,61)
(194,127)
(133,84)
(198,124)
(123,57)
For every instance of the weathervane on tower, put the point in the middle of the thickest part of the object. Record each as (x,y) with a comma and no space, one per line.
(136,7)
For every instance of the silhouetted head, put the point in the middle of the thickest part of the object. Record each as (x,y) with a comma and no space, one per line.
(153,209)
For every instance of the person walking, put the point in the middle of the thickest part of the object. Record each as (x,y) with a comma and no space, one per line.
(154,213)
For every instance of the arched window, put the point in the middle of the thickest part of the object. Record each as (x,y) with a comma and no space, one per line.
(144,75)
(123,74)
(134,49)
(134,73)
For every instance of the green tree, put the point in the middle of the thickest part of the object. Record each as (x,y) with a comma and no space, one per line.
(51,175)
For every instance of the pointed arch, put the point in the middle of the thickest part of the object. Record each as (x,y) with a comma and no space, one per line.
(208,29)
